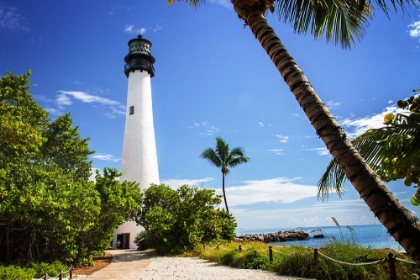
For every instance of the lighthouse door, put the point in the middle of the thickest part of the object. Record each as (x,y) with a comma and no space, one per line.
(125,240)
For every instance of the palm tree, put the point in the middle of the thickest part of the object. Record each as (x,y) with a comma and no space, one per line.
(341,21)
(224,158)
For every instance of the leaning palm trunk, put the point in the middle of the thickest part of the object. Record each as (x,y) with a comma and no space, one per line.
(396,219)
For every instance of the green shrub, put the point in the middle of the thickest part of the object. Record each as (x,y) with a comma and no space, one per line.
(252,259)
(178,220)
(15,272)
(52,269)
(31,270)
(143,240)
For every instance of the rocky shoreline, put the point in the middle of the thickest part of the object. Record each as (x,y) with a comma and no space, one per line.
(280,236)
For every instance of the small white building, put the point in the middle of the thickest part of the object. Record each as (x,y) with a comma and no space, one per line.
(139,159)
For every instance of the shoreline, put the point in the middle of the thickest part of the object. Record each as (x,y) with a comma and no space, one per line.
(372,236)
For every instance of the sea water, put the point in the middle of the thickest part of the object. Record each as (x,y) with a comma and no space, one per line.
(371,236)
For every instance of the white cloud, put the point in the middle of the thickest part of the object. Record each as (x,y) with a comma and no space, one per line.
(250,201)
(204,127)
(54,111)
(105,157)
(157,28)
(347,212)
(283,139)
(332,104)
(65,98)
(10,20)
(132,29)
(359,126)
(281,189)
(223,3)
(415,29)
(277,151)
(260,124)
(323,151)
(129,28)
(175,183)
(93,174)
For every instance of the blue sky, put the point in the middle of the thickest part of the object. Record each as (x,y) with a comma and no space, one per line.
(214,79)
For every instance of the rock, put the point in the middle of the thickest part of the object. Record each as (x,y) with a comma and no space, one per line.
(280,236)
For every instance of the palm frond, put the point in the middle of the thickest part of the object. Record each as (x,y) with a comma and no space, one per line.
(211,156)
(332,179)
(222,149)
(402,4)
(236,157)
(340,21)
(370,147)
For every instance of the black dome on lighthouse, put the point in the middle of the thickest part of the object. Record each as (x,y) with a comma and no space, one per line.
(139,56)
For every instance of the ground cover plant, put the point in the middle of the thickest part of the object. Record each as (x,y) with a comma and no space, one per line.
(32,270)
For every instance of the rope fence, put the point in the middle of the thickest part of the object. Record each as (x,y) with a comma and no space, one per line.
(390,258)
(60,275)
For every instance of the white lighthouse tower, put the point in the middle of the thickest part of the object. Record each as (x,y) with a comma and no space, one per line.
(139,159)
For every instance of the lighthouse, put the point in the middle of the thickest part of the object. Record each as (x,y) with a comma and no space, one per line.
(139,158)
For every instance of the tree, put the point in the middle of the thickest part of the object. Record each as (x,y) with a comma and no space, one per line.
(119,202)
(392,151)
(178,220)
(342,22)
(49,209)
(224,157)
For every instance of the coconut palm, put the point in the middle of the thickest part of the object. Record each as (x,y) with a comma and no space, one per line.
(341,21)
(223,157)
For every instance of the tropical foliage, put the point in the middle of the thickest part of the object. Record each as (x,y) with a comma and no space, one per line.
(223,157)
(177,220)
(392,151)
(341,22)
(49,209)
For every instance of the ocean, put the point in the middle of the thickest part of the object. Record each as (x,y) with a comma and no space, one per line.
(372,236)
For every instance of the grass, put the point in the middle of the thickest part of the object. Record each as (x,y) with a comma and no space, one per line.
(299,261)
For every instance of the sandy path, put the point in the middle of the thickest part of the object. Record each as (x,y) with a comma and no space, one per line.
(132,264)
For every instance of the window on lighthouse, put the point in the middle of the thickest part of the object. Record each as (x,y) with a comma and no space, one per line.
(131,110)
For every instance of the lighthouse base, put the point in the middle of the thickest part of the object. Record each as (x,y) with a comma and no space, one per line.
(126,233)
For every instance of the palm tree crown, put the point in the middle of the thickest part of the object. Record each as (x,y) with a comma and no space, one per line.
(223,157)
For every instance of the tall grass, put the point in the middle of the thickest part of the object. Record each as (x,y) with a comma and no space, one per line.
(299,261)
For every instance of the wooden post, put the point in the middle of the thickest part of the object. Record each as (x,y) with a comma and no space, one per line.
(316,255)
(71,272)
(391,264)
(240,248)
(270,253)
(46,276)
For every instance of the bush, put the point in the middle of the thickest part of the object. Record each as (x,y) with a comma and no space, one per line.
(15,272)
(31,270)
(143,241)
(178,220)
